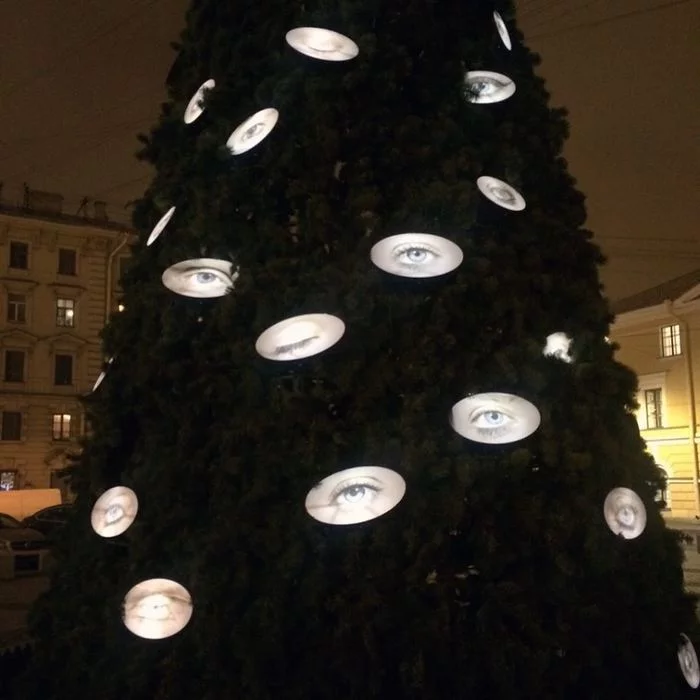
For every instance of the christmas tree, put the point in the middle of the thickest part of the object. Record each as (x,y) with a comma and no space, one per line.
(360,434)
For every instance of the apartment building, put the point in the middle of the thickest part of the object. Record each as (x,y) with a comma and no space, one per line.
(58,285)
(658,331)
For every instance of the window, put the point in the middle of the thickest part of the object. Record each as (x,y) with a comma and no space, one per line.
(8,480)
(67,262)
(65,313)
(670,340)
(61,426)
(652,405)
(11,425)
(16,308)
(63,370)
(14,366)
(19,255)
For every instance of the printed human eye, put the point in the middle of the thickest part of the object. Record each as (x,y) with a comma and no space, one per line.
(416,255)
(412,254)
(114,511)
(205,278)
(492,422)
(355,492)
(291,349)
(157,608)
(625,513)
(252,131)
(484,87)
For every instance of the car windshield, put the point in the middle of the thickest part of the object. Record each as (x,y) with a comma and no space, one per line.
(8,521)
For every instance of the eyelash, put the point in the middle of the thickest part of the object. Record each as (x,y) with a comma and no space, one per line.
(414,246)
(220,276)
(345,486)
(284,349)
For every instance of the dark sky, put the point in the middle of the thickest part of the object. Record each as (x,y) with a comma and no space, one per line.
(79,78)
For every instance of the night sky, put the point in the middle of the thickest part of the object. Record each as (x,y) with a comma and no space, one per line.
(79,78)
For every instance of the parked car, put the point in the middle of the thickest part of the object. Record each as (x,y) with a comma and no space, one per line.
(49,521)
(22,549)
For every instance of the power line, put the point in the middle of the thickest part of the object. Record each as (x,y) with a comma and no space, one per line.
(567,11)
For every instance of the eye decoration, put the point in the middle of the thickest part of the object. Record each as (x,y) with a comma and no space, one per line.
(500,193)
(688,661)
(157,608)
(355,495)
(101,376)
(494,418)
(252,131)
(558,345)
(114,511)
(485,87)
(160,226)
(502,30)
(625,513)
(200,278)
(299,337)
(194,109)
(323,44)
(416,255)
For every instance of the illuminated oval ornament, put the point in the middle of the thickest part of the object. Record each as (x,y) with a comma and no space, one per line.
(486,87)
(157,608)
(558,345)
(355,495)
(102,375)
(160,226)
(252,131)
(195,108)
(494,418)
(200,278)
(500,193)
(688,661)
(416,255)
(323,44)
(625,513)
(502,30)
(299,337)
(114,511)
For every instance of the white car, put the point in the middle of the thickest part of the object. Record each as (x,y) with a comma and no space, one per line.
(22,550)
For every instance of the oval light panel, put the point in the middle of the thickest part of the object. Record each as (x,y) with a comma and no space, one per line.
(416,255)
(299,337)
(157,608)
(625,513)
(494,418)
(502,30)
(688,661)
(252,131)
(200,278)
(558,345)
(160,226)
(101,376)
(195,109)
(355,495)
(323,44)
(114,511)
(486,87)
(500,193)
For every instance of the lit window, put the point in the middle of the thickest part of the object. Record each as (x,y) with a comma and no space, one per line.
(670,340)
(65,313)
(652,404)
(61,426)
(16,308)
(8,480)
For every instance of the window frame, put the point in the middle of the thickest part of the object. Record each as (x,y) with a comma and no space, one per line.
(74,260)
(60,434)
(657,392)
(3,426)
(670,345)
(15,481)
(11,255)
(62,356)
(9,352)
(62,320)
(15,304)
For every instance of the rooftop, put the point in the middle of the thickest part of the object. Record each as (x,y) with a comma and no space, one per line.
(671,289)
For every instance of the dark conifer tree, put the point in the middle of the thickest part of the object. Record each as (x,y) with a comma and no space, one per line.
(498,574)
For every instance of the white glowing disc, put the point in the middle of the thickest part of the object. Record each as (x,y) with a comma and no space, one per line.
(160,226)
(300,336)
(502,30)
(558,345)
(486,87)
(323,44)
(416,255)
(252,131)
(157,608)
(625,513)
(114,511)
(200,278)
(494,418)
(688,661)
(194,109)
(101,376)
(500,193)
(355,495)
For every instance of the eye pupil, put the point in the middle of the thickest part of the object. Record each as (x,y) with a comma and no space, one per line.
(416,254)
(494,417)
(353,494)
(205,277)
(252,131)
(114,513)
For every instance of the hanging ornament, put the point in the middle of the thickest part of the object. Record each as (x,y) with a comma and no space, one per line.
(101,376)
(200,278)
(502,30)
(355,495)
(160,226)
(558,345)
(157,608)
(494,418)
(323,44)
(486,87)
(688,661)
(252,131)
(416,255)
(114,511)
(299,337)
(500,193)
(194,109)
(625,513)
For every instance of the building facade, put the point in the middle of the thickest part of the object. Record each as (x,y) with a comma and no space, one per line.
(658,333)
(58,285)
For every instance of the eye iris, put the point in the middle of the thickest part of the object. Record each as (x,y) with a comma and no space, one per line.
(416,255)
(205,277)
(252,131)
(354,494)
(494,417)
(114,513)
(502,194)
(481,87)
